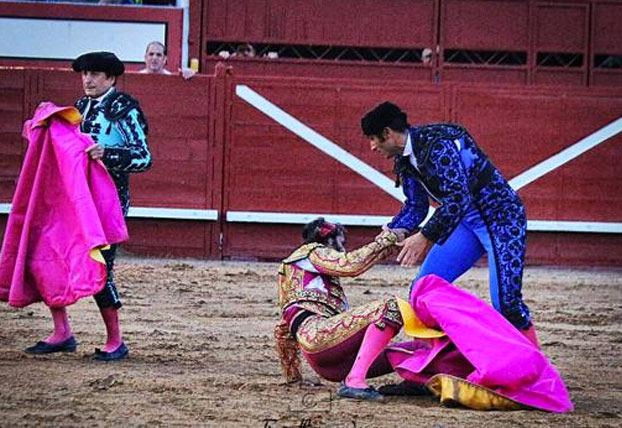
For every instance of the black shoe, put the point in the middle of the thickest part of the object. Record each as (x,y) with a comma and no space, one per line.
(118,354)
(367,394)
(404,388)
(68,345)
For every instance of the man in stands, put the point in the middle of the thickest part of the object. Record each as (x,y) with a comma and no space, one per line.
(155,61)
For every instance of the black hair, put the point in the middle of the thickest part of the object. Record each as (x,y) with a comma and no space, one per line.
(384,115)
(311,231)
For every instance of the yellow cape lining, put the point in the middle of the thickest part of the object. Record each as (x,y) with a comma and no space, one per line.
(413,325)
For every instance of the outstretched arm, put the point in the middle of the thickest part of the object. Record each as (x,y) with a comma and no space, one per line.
(415,208)
(335,263)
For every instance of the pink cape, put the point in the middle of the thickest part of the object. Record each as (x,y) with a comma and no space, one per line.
(488,351)
(65,205)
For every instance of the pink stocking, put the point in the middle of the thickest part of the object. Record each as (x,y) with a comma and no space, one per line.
(62,328)
(374,342)
(531,334)
(111,320)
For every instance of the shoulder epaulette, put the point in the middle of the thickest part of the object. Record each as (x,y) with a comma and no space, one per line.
(81,103)
(301,253)
(119,104)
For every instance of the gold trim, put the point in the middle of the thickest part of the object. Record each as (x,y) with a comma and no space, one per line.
(454,390)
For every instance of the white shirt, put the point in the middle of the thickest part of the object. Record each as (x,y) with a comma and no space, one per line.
(408,151)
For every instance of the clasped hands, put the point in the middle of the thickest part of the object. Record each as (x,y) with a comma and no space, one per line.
(413,248)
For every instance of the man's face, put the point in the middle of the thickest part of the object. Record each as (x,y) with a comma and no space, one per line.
(387,145)
(95,83)
(155,60)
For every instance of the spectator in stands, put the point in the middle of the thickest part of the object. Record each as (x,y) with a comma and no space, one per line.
(479,212)
(118,128)
(155,61)
(245,50)
(426,56)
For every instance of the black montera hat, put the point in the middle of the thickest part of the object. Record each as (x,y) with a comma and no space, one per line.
(382,116)
(99,61)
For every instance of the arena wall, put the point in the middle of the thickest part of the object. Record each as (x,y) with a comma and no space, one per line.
(240,161)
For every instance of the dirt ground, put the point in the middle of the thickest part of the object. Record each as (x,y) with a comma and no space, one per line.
(201,354)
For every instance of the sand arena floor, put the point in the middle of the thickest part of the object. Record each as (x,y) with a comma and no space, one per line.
(200,337)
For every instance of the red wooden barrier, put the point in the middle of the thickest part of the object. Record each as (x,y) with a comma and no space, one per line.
(180,119)
(214,151)
(520,129)
(606,44)
(14,87)
(560,51)
(275,171)
(471,29)
(396,23)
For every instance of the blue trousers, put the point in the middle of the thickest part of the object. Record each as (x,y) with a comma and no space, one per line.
(470,241)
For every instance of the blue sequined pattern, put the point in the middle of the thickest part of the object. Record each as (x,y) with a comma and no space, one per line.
(451,169)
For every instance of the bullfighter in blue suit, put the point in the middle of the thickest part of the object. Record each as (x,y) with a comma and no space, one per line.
(477,210)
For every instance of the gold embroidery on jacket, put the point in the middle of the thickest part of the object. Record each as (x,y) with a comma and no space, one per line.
(319,333)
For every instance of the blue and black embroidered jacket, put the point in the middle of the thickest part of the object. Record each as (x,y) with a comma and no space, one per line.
(451,169)
(118,124)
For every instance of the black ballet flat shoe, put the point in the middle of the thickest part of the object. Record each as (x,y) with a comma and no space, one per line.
(366,394)
(404,389)
(118,354)
(67,345)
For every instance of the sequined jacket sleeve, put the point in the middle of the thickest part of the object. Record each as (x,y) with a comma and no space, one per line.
(135,156)
(328,261)
(416,207)
(444,163)
(289,355)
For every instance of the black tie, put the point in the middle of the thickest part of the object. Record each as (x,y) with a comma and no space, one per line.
(92,107)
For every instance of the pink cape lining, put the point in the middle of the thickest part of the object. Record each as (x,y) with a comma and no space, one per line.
(65,205)
(488,350)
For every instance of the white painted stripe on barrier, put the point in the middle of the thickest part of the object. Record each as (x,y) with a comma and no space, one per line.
(146,212)
(319,141)
(173,213)
(294,218)
(377,220)
(345,219)
(566,155)
(532,174)
(573,226)
(380,180)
